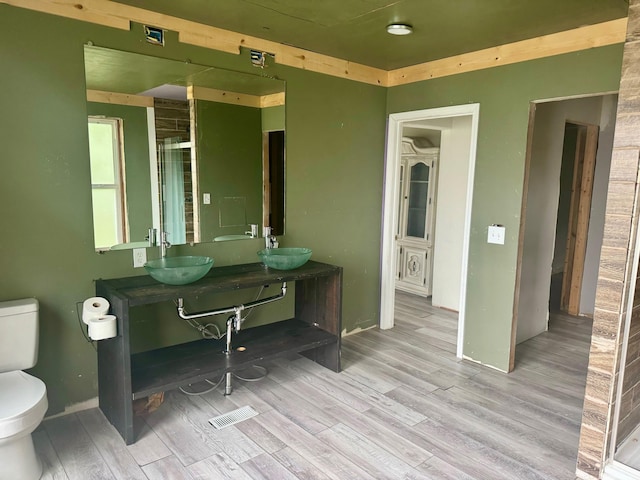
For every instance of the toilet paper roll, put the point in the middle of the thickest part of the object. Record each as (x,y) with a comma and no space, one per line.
(103,327)
(94,307)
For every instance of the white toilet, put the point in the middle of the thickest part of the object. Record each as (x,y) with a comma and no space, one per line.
(23,398)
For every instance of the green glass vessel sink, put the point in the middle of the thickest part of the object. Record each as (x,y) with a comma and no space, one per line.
(284,258)
(179,270)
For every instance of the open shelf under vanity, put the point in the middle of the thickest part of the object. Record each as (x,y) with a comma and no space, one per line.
(124,377)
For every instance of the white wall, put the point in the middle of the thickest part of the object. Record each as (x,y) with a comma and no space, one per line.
(450,210)
(542,207)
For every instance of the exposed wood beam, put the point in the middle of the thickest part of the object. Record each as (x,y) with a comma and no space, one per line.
(117,15)
(583,38)
(100,96)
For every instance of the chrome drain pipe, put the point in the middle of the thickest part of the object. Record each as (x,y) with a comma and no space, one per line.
(234,322)
(182,313)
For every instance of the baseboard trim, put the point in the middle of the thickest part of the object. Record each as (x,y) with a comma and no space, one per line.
(76,407)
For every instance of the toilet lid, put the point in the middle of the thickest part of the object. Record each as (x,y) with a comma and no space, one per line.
(23,401)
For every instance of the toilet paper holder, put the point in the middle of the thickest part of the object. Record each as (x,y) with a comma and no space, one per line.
(103,327)
(95,315)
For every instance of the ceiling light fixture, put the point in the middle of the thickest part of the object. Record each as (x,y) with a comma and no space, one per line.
(399,29)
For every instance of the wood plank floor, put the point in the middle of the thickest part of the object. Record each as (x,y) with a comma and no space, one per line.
(404,407)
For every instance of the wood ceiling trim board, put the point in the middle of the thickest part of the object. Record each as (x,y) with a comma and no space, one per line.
(219,39)
(316,62)
(222,96)
(118,15)
(115,98)
(599,35)
(223,40)
(79,11)
(273,100)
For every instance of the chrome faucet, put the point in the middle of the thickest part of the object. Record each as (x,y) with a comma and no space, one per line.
(253,233)
(151,237)
(164,244)
(270,240)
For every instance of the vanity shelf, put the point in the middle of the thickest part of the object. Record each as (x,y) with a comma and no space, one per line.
(171,367)
(314,332)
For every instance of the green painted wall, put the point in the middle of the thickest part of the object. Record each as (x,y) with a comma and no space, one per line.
(504,95)
(136,154)
(273,118)
(229,167)
(335,152)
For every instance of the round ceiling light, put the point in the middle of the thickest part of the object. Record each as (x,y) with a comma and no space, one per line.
(399,29)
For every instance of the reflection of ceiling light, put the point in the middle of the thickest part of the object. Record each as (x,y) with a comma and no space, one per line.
(399,29)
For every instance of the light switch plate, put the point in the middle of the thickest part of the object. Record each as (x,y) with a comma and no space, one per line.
(139,257)
(206,198)
(496,234)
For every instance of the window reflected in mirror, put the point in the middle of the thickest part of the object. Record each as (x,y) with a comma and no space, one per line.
(122,197)
(107,182)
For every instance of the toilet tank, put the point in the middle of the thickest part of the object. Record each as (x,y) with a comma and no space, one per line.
(18,334)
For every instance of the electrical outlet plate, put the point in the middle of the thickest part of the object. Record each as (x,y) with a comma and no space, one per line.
(139,257)
(496,234)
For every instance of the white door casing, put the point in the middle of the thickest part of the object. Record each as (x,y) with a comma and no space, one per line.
(390,207)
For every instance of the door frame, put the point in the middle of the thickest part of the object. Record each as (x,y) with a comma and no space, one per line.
(581,196)
(390,219)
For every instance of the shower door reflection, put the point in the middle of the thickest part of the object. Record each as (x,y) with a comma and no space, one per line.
(175,169)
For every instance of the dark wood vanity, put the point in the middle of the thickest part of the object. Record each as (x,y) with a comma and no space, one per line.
(314,331)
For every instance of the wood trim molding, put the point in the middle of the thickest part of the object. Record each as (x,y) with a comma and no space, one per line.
(273,100)
(117,15)
(583,38)
(100,96)
(521,232)
(225,40)
(86,11)
(222,96)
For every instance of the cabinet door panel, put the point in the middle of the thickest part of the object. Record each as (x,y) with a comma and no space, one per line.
(414,266)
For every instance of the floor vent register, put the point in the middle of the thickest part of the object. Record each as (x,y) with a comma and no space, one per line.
(233,417)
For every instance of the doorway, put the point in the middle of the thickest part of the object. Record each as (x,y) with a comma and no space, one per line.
(586,145)
(273,180)
(574,207)
(562,221)
(452,122)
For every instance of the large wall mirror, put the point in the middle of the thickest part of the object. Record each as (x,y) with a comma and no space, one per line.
(192,150)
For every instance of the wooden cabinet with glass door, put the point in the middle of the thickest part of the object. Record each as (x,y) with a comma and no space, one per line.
(415,234)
